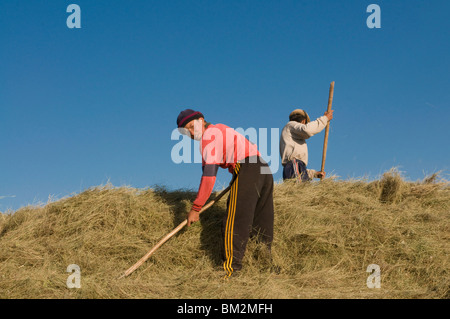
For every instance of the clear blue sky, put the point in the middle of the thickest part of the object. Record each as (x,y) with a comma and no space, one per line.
(81,107)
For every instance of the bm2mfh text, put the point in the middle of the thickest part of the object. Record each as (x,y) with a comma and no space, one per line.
(239,308)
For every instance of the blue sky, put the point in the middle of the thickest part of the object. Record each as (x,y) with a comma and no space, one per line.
(81,107)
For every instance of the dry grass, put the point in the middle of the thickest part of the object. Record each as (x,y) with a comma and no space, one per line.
(326,234)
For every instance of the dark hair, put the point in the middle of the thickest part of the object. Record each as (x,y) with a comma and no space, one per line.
(297,118)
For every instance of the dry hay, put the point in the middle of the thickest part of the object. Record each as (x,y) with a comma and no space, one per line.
(326,234)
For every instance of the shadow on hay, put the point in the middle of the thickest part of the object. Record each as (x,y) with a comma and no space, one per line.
(180,202)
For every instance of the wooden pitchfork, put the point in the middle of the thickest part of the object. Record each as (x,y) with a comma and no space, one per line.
(169,235)
(327,129)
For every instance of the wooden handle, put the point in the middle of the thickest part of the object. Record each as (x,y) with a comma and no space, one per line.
(169,235)
(327,129)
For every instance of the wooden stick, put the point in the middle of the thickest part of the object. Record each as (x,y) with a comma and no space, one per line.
(327,129)
(169,235)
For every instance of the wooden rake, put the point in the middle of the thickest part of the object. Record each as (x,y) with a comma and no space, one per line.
(327,129)
(169,235)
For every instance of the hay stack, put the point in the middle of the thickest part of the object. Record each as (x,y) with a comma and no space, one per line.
(326,234)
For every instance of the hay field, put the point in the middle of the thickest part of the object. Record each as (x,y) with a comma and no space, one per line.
(326,235)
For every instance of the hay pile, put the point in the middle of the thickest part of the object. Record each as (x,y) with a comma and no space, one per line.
(326,234)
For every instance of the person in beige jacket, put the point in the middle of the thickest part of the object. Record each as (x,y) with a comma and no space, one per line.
(293,148)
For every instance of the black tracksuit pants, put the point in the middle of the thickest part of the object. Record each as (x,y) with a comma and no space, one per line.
(249,211)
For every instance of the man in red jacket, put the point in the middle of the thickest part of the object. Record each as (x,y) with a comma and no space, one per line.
(250,203)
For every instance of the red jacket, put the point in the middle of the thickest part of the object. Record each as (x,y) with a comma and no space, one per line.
(221,146)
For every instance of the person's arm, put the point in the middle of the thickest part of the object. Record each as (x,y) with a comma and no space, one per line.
(206,185)
(204,191)
(304,131)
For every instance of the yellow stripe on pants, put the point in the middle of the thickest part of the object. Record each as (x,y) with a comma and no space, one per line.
(230,224)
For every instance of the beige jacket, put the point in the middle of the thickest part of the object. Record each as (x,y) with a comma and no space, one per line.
(293,136)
